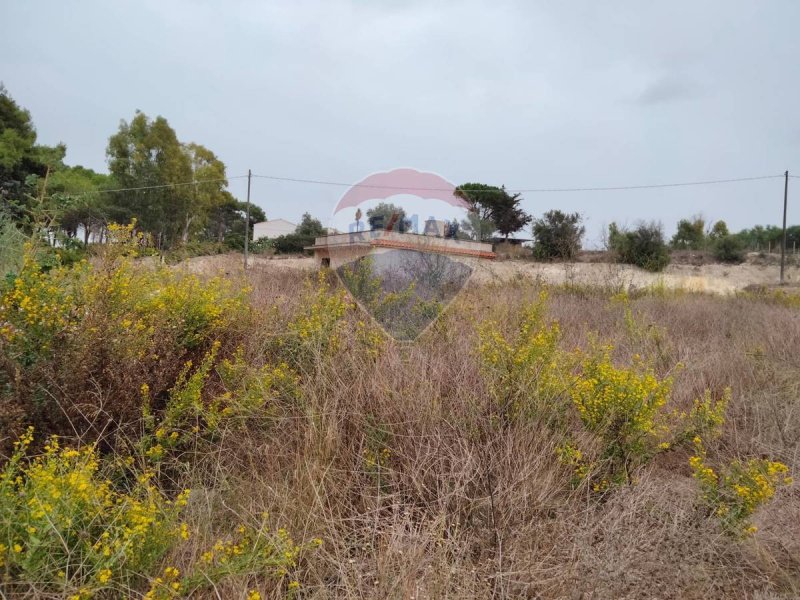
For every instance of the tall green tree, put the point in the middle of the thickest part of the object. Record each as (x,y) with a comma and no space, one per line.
(492,209)
(208,193)
(24,164)
(146,153)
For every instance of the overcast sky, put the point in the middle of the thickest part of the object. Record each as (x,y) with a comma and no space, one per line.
(526,94)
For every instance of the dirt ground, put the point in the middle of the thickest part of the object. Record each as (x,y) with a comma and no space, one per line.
(713,278)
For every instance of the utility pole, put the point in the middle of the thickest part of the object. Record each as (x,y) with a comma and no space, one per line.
(785,201)
(247,223)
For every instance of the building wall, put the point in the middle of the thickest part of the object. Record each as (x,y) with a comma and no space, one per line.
(272,229)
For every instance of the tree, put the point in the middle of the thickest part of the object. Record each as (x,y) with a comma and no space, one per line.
(209,190)
(389,217)
(476,228)
(24,165)
(492,209)
(643,247)
(303,236)
(729,249)
(147,153)
(690,234)
(557,235)
(78,191)
(719,231)
(225,222)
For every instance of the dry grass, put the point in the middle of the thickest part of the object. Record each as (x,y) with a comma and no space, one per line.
(464,509)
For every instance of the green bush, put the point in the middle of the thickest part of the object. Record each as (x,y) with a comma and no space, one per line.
(729,249)
(644,246)
(557,235)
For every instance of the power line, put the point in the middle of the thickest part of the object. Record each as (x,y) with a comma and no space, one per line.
(422,189)
(162,186)
(525,190)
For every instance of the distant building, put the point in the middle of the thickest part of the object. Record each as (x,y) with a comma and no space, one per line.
(272,229)
(346,247)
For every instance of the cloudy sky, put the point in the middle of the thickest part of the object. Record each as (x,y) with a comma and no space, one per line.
(527,94)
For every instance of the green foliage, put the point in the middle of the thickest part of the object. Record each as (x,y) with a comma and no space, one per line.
(303,236)
(643,247)
(729,249)
(690,234)
(147,152)
(761,238)
(739,489)
(63,326)
(557,235)
(12,242)
(388,216)
(527,373)
(719,231)
(66,528)
(23,164)
(492,209)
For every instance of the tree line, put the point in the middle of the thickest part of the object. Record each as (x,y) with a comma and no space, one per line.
(185,197)
(176,191)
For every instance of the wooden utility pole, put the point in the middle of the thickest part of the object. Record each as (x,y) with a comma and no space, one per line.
(785,201)
(247,223)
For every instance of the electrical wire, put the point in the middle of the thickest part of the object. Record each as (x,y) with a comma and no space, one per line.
(419,189)
(162,186)
(525,190)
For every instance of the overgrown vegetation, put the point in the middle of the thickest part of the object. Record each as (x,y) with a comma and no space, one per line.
(323,459)
(557,235)
(643,246)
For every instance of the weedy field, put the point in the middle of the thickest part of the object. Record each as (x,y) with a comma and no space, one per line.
(170,435)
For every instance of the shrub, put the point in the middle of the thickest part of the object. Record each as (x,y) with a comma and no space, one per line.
(623,407)
(316,328)
(66,528)
(526,371)
(729,249)
(65,327)
(690,235)
(303,236)
(643,247)
(735,493)
(557,235)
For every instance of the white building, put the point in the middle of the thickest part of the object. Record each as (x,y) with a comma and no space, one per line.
(272,229)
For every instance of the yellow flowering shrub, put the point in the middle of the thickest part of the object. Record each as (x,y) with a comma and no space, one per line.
(114,322)
(35,308)
(735,492)
(249,551)
(526,372)
(67,529)
(370,338)
(705,419)
(190,413)
(316,328)
(622,406)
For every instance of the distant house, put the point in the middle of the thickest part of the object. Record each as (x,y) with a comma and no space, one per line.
(345,247)
(272,229)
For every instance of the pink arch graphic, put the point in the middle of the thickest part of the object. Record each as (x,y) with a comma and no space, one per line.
(380,186)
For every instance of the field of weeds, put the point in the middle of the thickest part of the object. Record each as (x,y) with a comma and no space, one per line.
(223,437)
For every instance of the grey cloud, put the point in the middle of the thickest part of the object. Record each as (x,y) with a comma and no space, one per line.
(526,94)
